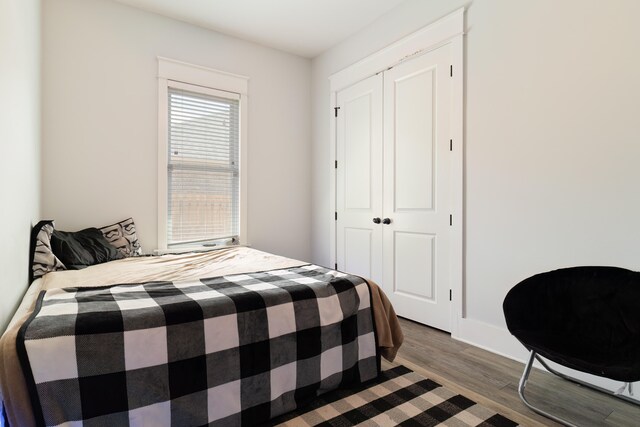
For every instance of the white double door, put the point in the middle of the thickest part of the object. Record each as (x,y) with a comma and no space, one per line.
(393,185)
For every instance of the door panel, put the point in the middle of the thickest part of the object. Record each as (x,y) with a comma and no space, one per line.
(357,133)
(359,178)
(358,251)
(414,140)
(414,259)
(417,188)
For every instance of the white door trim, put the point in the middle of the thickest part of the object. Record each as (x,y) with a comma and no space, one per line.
(447,30)
(428,38)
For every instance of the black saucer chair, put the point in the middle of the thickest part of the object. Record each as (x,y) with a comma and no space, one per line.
(583,318)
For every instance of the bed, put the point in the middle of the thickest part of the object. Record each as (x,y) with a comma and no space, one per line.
(233,336)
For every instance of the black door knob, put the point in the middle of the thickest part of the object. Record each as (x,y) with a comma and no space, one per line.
(386,221)
(376,220)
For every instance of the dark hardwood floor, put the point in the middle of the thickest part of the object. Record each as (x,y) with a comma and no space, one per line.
(493,381)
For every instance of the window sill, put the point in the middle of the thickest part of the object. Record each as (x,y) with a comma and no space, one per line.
(187,249)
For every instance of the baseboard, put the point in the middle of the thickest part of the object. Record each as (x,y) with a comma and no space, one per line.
(499,341)
(491,338)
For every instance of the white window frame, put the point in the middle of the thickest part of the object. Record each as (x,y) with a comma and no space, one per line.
(172,73)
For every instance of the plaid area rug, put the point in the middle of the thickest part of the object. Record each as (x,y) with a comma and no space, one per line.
(398,397)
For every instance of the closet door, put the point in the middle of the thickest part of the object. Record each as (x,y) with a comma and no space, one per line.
(359,178)
(417,98)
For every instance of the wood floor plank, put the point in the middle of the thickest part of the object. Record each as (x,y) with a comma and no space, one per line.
(496,379)
(622,418)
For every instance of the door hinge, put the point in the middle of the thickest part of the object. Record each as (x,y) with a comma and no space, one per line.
(336,215)
(450,295)
(335,111)
(451,70)
(335,266)
(450,219)
(451,145)
(336,164)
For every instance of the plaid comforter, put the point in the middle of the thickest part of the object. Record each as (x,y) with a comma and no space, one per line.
(231,350)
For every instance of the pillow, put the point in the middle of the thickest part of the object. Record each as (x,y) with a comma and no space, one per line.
(83,248)
(122,235)
(42,258)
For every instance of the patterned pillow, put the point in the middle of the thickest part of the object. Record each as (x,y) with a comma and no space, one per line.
(42,258)
(122,235)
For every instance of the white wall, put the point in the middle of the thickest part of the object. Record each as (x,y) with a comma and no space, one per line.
(19,145)
(100,121)
(552,140)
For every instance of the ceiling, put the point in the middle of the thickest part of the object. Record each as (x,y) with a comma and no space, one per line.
(302,27)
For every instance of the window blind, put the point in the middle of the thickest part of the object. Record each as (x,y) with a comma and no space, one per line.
(203,167)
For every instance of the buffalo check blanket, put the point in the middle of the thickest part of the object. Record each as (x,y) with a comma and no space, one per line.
(231,350)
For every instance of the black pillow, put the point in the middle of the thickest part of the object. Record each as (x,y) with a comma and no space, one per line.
(83,248)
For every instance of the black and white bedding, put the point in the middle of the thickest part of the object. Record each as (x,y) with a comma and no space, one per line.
(228,350)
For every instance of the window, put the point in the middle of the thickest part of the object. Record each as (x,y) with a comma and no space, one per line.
(200,173)
(202,170)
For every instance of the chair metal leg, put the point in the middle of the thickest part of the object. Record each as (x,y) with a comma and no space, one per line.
(586,384)
(522,385)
